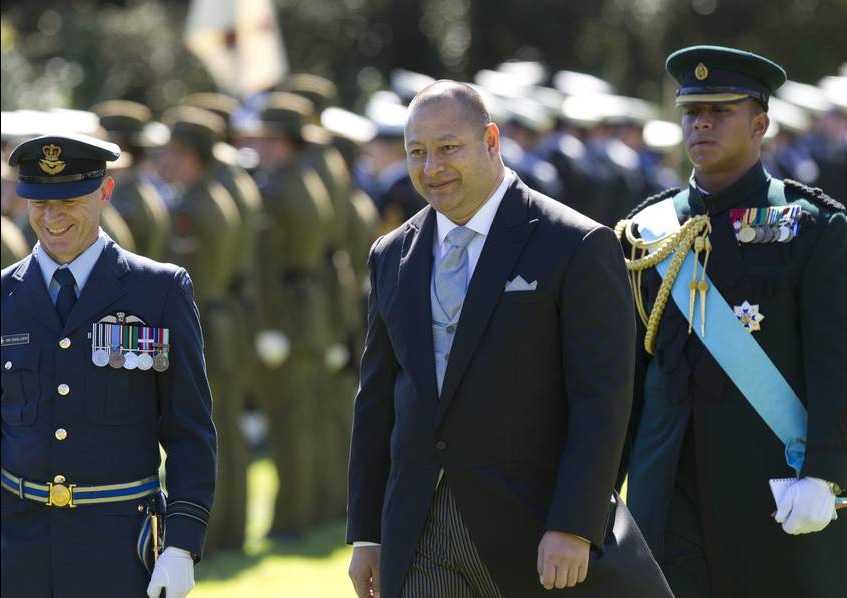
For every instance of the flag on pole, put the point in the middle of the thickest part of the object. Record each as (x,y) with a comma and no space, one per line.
(239,43)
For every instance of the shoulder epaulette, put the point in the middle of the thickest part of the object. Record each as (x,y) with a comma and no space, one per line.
(653,199)
(816,194)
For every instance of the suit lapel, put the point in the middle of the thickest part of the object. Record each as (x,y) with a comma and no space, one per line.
(414,278)
(102,288)
(32,297)
(509,233)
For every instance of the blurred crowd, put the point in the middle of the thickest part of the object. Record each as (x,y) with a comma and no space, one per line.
(272,204)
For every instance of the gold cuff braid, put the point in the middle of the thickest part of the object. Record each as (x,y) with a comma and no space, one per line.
(694,233)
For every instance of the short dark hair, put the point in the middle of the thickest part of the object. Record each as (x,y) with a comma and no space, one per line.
(467,96)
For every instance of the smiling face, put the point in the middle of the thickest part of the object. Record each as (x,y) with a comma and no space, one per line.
(453,158)
(67,227)
(723,140)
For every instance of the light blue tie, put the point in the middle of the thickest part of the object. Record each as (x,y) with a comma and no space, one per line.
(448,292)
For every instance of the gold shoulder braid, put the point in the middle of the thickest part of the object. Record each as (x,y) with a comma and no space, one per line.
(694,233)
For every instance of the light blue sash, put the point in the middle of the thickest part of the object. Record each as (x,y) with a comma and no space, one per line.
(733,347)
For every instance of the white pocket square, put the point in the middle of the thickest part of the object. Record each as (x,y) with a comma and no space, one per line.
(519,284)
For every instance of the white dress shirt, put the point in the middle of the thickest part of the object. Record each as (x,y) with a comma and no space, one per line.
(80,267)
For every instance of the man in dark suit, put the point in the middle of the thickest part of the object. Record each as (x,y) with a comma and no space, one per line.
(491,413)
(102,362)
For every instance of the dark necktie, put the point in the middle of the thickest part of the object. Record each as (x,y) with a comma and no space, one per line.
(67,296)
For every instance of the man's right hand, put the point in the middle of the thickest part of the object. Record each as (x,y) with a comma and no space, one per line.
(364,571)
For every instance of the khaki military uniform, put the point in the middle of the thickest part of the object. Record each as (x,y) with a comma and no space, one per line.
(116,227)
(294,300)
(206,228)
(145,213)
(14,245)
(345,314)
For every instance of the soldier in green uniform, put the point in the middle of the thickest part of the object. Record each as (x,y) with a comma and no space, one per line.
(12,243)
(14,207)
(296,328)
(205,242)
(135,197)
(116,227)
(228,170)
(345,301)
(740,285)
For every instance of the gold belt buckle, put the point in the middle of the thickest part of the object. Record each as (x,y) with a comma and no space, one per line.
(61,495)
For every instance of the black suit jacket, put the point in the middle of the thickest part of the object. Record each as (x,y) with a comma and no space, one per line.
(535,401)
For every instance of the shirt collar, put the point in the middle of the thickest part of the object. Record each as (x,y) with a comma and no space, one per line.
(80,267)
(749,185)
(481,222)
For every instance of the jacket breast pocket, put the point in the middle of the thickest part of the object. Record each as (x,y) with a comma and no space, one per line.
(110,394)
(528,296)
(20,386)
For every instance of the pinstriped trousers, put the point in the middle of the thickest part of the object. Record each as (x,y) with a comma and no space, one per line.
(446,563)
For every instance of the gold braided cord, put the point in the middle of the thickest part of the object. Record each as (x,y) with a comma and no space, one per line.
(679,243)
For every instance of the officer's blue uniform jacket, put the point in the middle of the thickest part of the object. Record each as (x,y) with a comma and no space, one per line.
(113,422)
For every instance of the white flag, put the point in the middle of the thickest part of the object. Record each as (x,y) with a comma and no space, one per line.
(239,43)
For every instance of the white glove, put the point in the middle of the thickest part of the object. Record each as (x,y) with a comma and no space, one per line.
(174,573)
(807,506)
(336,357)
(272,347)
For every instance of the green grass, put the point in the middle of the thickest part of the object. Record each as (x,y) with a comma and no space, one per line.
(316,567)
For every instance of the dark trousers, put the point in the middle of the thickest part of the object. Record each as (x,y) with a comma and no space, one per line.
(685,564)
(446,562)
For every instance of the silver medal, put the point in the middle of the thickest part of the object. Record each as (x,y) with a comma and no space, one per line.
(145,362)
(100,358)
(130,361)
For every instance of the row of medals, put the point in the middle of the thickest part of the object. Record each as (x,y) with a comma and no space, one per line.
(780,224)
(765,233)
(104,352)
(117,359)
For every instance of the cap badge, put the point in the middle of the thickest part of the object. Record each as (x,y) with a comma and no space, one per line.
(51,163)
(701,72)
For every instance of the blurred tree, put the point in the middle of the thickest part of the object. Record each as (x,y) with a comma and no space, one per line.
(91,51)
(354,41)
(806,37)
(80,51)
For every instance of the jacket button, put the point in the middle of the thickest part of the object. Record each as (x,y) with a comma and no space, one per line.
(441,445)
(65,343)
(8,365)
(61,434)
(63,389)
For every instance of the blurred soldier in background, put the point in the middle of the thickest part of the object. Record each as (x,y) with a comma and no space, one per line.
(116,227)
(136,199)
(296,328)
(205,242)
(389,184)
(525,123)
(227,168)
(335,406)
(14,207)
(826,140)
(13,244)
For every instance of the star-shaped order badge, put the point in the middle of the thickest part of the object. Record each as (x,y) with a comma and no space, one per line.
(749,316)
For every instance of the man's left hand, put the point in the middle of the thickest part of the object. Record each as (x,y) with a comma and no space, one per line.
(562,560)
(174,573)
(807,506)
